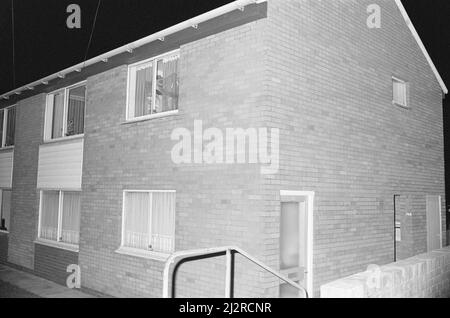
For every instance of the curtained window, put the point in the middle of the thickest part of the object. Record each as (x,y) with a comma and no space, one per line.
(70,227)
(153,87)
(75,111)
(5,209)
(400,92)
(7,126)
(149,221)
(10,127)
(60,216)
(65,113)
(49,215)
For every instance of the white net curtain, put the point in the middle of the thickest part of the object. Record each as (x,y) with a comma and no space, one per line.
(149,221)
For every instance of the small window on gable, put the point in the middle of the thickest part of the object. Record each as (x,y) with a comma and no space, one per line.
(64,116)
(153,87)
(400,92)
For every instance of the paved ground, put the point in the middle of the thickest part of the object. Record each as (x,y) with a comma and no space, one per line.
(17,284)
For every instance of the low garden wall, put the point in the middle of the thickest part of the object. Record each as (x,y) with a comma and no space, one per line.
(422,276)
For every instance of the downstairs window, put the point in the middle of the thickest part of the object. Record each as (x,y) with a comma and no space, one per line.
(149,221)
(59,218)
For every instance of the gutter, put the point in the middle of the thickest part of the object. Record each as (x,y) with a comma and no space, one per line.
(191,23)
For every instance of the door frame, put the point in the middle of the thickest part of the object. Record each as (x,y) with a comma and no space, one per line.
(440,219)
(309,195)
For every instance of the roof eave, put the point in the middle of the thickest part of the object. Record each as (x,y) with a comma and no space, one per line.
(421,45)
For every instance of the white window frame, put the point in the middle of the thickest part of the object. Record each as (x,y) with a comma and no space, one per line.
(1,208)
(5,127)
(58,243)
(155,255)
(48,126)
(310,195)
(131,86)
(406,85)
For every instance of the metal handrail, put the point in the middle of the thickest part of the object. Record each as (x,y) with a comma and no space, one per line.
(180,257)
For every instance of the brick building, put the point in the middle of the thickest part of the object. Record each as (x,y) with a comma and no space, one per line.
(88,177)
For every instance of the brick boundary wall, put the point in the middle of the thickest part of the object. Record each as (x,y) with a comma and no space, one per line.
(422,276)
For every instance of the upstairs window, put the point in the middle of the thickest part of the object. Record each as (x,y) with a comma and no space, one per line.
(64,116)
(59,218)
(400,92)
(7,126)
(153,87)
(149,221)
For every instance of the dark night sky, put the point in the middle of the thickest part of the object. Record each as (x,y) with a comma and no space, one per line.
(44,45)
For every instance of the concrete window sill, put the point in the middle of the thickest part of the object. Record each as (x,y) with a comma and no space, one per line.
(156,256)
(151,117)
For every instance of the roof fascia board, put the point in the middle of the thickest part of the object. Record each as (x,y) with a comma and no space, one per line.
(421,45)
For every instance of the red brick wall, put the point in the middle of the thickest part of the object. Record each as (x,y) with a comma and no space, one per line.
(330,92)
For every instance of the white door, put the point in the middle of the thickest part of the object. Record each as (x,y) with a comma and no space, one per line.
(434,222)
(294,244)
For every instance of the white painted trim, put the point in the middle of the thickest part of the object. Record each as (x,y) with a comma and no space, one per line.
(287,193)
(398,80)
(60,245)
(154,191)
(310,248)
(421,45)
